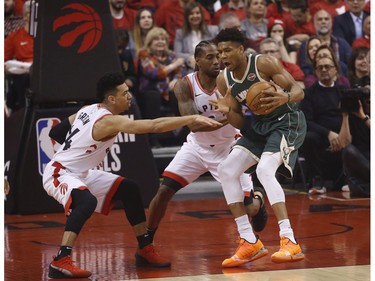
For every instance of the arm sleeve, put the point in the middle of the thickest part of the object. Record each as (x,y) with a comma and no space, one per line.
(59,131)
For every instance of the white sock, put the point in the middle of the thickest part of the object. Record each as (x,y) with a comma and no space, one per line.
(286,230)
(245,229)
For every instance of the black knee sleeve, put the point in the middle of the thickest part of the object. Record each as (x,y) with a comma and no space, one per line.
(171,183)
(83,205)
(128,193)
(248,199)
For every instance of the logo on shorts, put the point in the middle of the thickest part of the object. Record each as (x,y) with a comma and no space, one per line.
(251,77)
(45,145)
(63,188)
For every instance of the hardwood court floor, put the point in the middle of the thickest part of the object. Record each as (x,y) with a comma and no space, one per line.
(197,235)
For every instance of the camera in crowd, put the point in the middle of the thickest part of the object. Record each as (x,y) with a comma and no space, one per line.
(350,98)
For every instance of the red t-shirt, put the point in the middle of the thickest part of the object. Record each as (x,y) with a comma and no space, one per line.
(361,42)
(170,16)
(240,13)
(127,21)
(294,70)
(19,45)
(332,9)
(291,28)
(273,13)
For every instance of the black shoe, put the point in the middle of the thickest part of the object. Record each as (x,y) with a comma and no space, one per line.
(259,221)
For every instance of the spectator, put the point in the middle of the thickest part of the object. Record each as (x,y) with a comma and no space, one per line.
(18,7)
(349,24)
(310,48)
(324,51)
(122,16)
(12,22)
(192,32)
(126,60)
(270,47)
(355,137)
(299,25)
(235,6)
(367,7)
(18,57)
(231,20)
(276,31)
(323,28)
(170,16)
(159,69)
(333,7)
(364,41)
(136,5)
(321,107)
(278,9)
(359,66)
(255,25)
(144,21)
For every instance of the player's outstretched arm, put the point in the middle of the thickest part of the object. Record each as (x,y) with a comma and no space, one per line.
(112,124)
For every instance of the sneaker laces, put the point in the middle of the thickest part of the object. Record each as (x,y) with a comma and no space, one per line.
(286,245)
(67,261)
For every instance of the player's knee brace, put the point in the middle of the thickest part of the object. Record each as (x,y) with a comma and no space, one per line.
(128,193)
(83,206)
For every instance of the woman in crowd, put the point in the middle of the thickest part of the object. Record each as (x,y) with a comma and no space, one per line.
(359,67)
(192,32)
(144,21)
(158,71)
(312,45)
(276,31)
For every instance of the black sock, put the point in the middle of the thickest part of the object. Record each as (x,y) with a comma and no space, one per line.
(143,240)
(151,233)
(63,252)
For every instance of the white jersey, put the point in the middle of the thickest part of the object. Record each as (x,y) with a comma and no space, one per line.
(80,152)
(222,136)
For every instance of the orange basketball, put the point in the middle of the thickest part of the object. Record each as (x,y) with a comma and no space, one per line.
(254,94)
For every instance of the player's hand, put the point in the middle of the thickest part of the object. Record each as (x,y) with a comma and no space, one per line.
(203,120)
(273,99)
(222,104)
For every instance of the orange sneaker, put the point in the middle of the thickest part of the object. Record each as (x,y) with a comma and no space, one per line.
(64,268)
(246,252)
(148,256)
(289,252)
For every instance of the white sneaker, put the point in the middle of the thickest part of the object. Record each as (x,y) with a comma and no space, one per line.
(318,190)
(345,188)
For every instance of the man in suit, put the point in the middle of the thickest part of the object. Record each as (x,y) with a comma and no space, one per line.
(349,24)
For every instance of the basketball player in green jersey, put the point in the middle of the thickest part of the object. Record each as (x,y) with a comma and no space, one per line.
(269,143)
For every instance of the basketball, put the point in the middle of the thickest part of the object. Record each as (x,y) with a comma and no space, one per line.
(254,94)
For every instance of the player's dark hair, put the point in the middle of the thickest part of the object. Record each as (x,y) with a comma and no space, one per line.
(298,4)
(230,34)
(199,48)
(108,83)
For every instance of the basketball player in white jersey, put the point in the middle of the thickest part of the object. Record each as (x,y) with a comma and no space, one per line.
(69,178)
(205,146)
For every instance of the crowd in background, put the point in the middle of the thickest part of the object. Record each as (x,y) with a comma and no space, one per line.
(323,44)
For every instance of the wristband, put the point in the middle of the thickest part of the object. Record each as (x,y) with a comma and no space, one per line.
(366,118)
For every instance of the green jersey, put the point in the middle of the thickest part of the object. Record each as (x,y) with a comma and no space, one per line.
(240,86)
